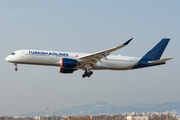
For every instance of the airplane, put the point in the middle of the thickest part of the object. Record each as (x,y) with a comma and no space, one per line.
(68,62)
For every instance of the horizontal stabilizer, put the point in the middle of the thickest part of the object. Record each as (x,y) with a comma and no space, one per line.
(160,61)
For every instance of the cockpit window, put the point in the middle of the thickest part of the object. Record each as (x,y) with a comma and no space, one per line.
(12,53)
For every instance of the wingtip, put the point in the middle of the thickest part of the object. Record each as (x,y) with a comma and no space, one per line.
(126,43)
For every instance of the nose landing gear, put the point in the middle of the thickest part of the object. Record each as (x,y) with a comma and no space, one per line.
(16,69)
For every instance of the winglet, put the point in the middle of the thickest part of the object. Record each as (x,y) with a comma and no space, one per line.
(126,43)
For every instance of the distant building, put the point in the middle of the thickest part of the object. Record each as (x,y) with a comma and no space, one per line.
(22,118)
(5,117)
(80,118)
(52,117)
(133,113)
(137,117)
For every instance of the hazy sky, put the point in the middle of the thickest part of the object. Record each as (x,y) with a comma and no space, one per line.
(87,26)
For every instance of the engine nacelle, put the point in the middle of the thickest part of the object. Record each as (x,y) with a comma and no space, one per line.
(65,70)
(68,63)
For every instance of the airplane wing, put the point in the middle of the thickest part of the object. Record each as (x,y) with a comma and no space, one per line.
(96,57)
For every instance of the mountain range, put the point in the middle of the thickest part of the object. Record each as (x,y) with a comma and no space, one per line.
(103,107)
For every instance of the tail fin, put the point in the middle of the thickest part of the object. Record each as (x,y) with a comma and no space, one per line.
(152,57)
(157,51)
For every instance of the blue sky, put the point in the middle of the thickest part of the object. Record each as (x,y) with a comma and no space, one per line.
(87,26)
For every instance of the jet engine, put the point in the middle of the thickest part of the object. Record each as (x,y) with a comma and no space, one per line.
(65,70)
(68,63)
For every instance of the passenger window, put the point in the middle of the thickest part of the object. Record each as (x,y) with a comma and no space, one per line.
(12,53)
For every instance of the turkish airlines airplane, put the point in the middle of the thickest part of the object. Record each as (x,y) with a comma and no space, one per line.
(68,62)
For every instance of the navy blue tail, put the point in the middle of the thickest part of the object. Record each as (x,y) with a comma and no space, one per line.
(153,54)
(157,51)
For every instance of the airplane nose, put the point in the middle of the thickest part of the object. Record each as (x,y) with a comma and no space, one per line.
(7,58)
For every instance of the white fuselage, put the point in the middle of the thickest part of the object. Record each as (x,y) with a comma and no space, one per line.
(52,58)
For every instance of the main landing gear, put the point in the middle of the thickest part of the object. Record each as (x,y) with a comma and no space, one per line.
(16,69)
(88,74)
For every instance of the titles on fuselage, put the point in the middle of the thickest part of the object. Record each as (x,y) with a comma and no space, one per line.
(48,53)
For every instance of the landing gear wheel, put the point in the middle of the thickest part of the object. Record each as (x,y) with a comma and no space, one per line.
(91,72)
(16,69)
(83,75)
(88,74)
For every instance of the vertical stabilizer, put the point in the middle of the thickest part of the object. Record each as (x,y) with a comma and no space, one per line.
(157,51)
(152,57)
